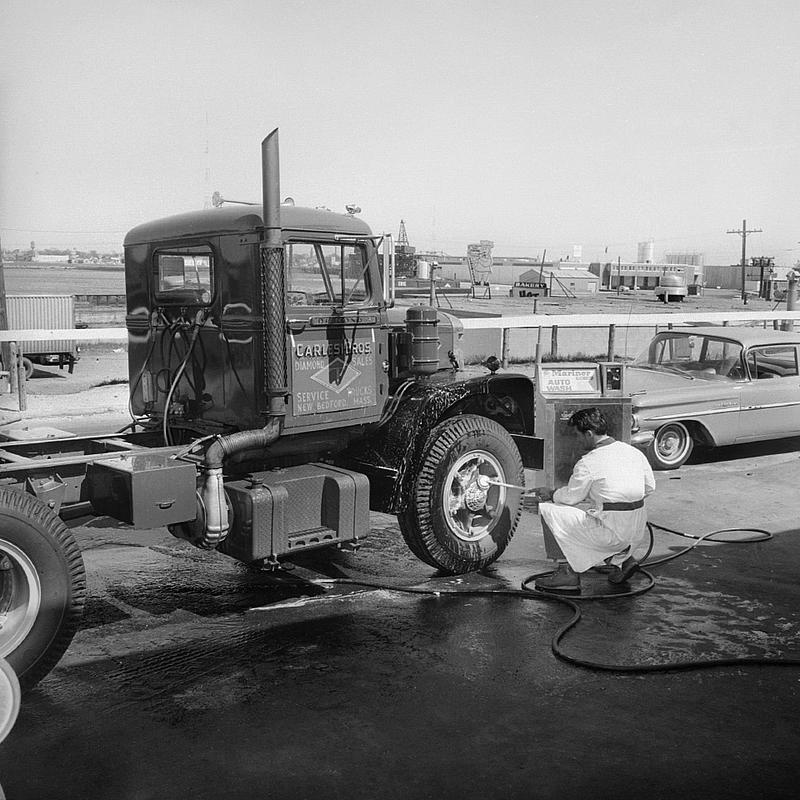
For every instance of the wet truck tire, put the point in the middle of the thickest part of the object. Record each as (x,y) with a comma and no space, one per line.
(42,586)
(457,518)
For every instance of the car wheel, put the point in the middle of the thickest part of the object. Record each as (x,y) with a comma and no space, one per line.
(671,446)
(459,517)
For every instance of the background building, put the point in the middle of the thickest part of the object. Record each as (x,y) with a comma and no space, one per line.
(640,275)
(696,260)
(562,279)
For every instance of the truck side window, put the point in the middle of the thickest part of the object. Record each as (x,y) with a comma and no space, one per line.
(183,276)
(326,274)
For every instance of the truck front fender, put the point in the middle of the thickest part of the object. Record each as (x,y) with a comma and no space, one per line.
(391,454)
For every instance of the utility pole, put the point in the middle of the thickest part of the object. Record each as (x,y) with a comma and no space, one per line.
(5,349)
(743,233)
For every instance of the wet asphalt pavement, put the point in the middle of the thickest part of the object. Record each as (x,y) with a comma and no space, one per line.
(196,677)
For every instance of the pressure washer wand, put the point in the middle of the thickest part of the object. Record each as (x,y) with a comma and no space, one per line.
(484,482)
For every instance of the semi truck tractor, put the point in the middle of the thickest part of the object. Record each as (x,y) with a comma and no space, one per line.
(277,397)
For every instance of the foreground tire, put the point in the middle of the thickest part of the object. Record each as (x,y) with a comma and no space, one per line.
(27,365)
(456,519)
(42,586)
(671,446)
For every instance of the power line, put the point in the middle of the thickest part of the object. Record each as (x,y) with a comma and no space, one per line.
(743,233)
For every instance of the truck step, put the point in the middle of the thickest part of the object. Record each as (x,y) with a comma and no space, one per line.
(311,538)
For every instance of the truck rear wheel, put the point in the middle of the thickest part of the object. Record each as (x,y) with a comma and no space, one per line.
(42,586)
(458,519)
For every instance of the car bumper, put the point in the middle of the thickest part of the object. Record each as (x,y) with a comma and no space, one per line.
(642,438)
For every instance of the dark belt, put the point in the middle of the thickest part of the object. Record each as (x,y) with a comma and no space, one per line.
(623,506)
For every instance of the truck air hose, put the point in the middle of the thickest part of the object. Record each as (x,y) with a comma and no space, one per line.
(573,603)
(198,322)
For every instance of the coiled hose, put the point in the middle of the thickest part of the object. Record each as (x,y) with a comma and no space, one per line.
(573,603)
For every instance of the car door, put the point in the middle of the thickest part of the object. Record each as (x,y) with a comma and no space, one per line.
(771,398)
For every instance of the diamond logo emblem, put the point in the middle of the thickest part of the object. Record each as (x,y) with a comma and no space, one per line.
(336,376)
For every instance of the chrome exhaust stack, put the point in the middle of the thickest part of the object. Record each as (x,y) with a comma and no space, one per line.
(213,503)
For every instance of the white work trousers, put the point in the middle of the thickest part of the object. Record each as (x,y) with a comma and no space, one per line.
(588,538)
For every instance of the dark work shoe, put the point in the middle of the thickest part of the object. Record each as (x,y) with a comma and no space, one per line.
(623,573)
(564,579)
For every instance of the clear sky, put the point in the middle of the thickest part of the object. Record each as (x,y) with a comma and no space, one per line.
(534,123)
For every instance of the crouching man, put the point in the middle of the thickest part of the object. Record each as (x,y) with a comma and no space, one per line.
(611,481)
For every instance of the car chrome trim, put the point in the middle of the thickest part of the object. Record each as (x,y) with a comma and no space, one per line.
(714,411)
(691,414)
(772,405)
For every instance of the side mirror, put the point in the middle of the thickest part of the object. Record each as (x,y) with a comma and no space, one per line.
(10,695)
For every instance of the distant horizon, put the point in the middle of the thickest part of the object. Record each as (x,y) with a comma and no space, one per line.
(534,258)
(754,250)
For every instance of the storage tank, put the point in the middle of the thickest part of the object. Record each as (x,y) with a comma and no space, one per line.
(646,252)
(671,288)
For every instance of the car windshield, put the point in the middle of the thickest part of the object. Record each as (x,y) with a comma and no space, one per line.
(693,355)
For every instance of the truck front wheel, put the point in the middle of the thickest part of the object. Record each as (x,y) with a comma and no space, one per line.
(460,517)
(42,586)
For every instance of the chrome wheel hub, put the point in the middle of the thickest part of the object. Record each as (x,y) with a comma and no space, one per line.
(473,502)
(20,596)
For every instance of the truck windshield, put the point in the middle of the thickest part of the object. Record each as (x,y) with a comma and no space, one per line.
(326,274)
(698,356)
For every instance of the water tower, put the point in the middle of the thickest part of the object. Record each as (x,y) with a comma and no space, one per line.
(646,252)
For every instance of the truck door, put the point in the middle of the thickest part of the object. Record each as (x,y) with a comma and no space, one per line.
(336,344)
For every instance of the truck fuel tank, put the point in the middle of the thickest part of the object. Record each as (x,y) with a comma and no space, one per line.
(283,511)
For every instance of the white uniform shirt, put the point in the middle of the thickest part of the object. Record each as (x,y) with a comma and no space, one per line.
(615,472)
(611,473)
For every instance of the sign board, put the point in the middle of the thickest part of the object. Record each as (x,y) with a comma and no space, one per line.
(333,374)
(479,260)
(563,379)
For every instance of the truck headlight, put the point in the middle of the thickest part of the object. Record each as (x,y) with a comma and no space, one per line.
(634,423)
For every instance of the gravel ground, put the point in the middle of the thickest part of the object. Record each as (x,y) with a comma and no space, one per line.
(96,393)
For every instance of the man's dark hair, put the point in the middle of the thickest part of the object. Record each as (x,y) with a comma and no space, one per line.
(589,419)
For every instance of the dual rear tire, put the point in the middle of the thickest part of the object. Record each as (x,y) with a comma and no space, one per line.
(42,586)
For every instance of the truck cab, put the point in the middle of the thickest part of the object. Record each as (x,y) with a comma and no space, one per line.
(195,298)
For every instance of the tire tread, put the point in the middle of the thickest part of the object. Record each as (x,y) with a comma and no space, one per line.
(416,524)
(33,511)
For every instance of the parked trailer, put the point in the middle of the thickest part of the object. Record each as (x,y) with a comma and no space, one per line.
(43,312)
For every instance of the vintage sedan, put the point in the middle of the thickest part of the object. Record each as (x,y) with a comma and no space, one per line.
(713,386)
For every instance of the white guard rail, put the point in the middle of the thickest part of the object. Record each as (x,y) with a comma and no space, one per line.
(629,323)
(504,324)
(623,320)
